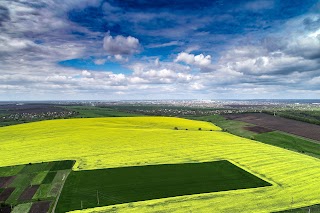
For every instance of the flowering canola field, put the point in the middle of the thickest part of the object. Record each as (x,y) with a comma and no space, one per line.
(116,142)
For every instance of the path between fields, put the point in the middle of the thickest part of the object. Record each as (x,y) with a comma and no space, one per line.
(57,199)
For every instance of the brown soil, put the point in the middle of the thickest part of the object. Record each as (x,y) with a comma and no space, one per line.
(258,129)
(40,207)
(28,193)
(5,181)
(6,193)
(299,128)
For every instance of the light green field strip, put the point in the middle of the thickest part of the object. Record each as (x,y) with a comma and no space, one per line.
(10,171)
(22,208)
(37,180)
(42,192)
(118,142)
(57,182)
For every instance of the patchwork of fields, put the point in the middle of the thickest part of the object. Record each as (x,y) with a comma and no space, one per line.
(32,188)
(118,142)
(300,128)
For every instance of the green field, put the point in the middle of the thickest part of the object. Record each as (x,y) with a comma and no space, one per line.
(84,189)
(232,126)
(291,142)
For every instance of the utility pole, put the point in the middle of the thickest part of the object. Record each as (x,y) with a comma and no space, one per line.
(81,205)
(98,197)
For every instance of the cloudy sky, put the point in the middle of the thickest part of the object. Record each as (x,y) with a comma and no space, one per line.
(164,49)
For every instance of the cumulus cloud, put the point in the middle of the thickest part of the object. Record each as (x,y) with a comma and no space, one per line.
(283,53)
(86,73)
(121,58)
(120,45)
(34,36)
(199,60)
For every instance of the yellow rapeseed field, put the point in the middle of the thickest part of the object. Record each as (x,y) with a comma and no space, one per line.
(116,142)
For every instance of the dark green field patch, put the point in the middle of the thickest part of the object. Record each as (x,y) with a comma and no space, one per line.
(10,170)
(131,184)
(37,180)
(291,142)
(34,168)
(42,191)
(62,165)
(306,209)
(49,177)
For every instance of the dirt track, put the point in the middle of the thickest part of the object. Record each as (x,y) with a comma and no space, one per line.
(299,128)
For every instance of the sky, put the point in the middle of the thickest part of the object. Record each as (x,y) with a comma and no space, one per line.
(164,49)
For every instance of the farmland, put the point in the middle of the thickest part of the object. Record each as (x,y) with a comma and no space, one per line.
(311,115)
(275,138)
(299,128)
(100,143)
(25,188)
(85,189)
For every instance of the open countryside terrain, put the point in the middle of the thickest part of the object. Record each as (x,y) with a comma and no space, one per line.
(123,142)
(300,128)
(275,138)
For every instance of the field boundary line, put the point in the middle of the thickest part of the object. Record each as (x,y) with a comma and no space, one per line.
(57,199)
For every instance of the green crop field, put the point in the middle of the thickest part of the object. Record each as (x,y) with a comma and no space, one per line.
(101,143)
(292,142)
(232,126)
(130,184)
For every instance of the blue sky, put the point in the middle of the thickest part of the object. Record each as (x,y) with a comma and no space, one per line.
(115,50)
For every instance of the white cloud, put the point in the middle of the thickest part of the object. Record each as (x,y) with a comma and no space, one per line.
(199,60)
(121,58)
(86,73)
(197,86)
(35,39)
(120,45)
